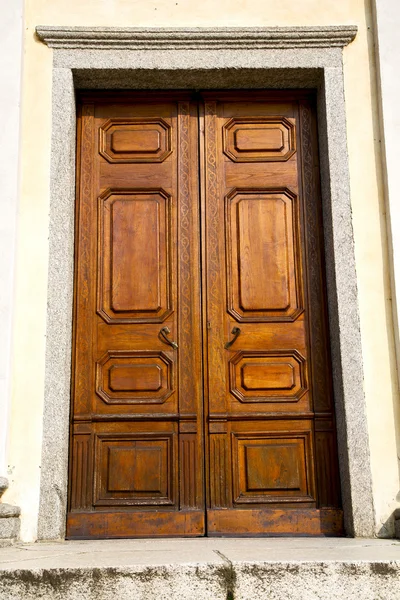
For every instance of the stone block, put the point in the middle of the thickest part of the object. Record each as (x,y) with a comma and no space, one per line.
(9,518)
(203,569)
(9,528)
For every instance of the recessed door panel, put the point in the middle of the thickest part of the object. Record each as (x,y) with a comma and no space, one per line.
(271,467)
(259,139)
(267,376)
(135,258)
(135,140)
(263,255)
(134,469)
(135,377)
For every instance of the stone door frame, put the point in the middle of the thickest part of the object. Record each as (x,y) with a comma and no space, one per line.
(201,58)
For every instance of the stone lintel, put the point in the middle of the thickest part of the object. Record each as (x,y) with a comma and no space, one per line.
(202,38)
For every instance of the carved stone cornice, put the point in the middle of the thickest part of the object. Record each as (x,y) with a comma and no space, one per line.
(196,38)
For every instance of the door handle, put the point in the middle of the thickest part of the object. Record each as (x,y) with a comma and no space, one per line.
(164,332)
(236,332)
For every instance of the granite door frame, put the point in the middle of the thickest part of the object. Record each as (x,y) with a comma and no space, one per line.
(274,58)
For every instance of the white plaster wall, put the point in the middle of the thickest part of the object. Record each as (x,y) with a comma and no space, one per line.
(11,36)
(373,272)
(386,28)
(369,214)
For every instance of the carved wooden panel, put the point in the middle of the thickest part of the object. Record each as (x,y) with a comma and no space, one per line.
(81,490)
(218,462)
(134,256)
(189,292)
(271,467)
(188,469)
(134,469)
(314,248)
(268,376)
(214,292)
(326,463)
(134,377)
(259,139)
(263,256)
(135,140)
(85,293)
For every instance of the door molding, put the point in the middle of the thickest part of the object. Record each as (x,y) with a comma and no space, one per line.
(202,38)
(262,58)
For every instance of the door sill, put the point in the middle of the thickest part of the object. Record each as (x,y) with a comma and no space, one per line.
(135,524)
(275,522)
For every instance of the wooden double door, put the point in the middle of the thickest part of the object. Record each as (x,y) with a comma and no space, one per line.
(201,394)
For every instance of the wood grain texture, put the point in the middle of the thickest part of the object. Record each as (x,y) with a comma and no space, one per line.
(214,264)
(219,466)
(189,310)
(268,376)
(262,246)
(328,483)
(259,139)
(189,462)
(272,467)
(140,524)
(84,262)
(135,377)
(135,140)
(275,521)
(81,496)
(134,469)
(134,256)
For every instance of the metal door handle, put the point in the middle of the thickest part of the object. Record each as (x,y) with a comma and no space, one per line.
(236,332)
(164,332)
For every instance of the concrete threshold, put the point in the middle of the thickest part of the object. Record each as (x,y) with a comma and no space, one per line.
(203,569)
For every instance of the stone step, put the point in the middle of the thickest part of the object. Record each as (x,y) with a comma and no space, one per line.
(9,518)
(203,569)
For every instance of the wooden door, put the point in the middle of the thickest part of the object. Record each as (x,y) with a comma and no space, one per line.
(270,425)
(136,466)
(201,399)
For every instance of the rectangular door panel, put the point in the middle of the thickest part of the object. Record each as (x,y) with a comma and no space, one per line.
(263,255)
(134,256)
(135,468)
